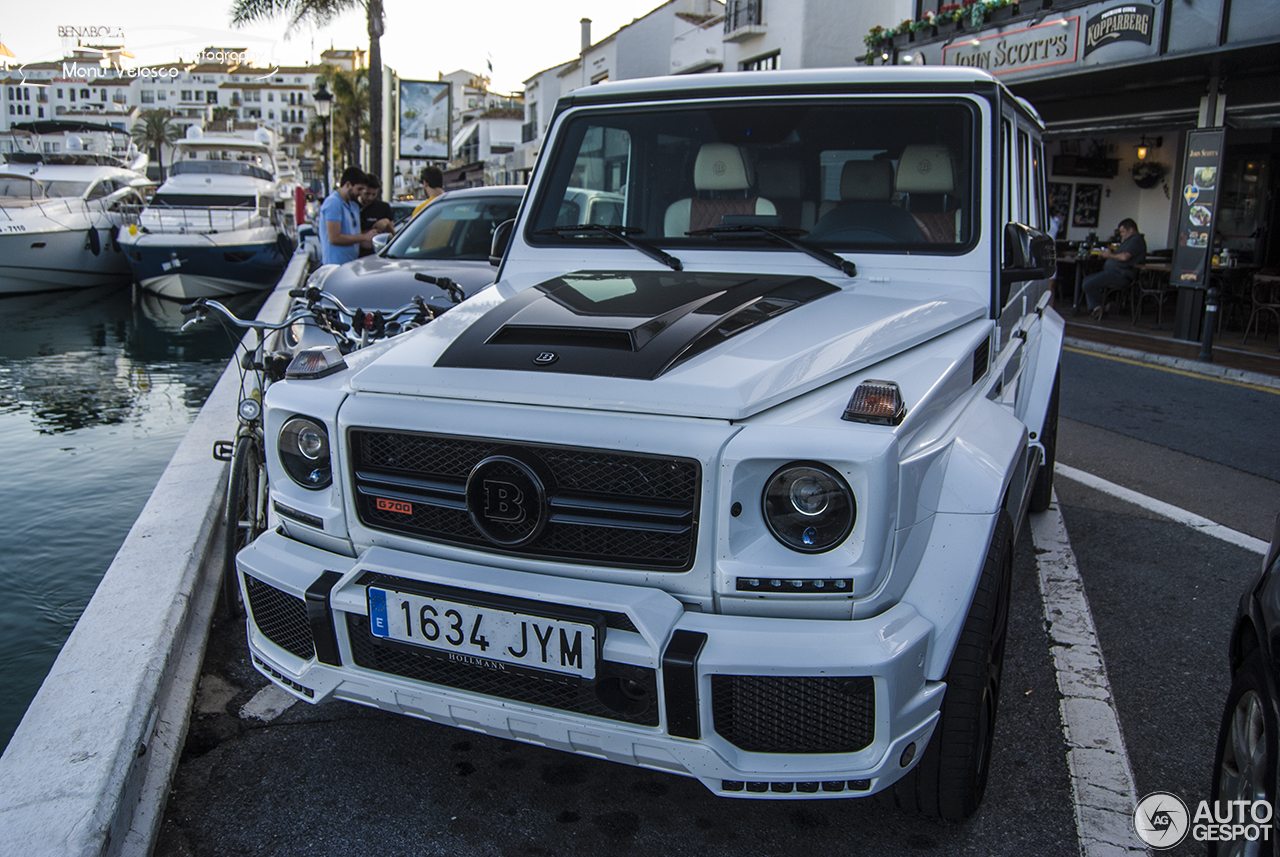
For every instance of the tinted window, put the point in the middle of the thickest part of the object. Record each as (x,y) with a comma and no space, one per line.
(864,174)
(460,228)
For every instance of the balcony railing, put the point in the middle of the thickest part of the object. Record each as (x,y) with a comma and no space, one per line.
(743,16)
(528,132)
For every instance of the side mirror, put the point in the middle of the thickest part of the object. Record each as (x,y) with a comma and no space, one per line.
(501,238)
(1029,254)
(381,240)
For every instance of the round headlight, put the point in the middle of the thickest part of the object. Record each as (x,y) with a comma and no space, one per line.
(304,452)
(808,507)
(250,409)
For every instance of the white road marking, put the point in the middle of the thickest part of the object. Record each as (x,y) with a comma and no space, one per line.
(267,704)
(1101,778)
(1166,510)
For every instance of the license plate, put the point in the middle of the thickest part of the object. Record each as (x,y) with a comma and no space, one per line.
(483,636)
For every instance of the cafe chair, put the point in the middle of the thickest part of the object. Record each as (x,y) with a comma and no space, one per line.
(1154,284)
(1266,299)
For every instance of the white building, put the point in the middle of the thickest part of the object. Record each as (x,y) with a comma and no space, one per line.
(699,37)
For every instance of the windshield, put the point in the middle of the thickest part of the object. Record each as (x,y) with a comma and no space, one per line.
(228,162)
(871,174)
(17,187)
(460,229)
(73,190)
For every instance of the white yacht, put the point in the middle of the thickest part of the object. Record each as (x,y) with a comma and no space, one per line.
(220,224)
(60,208)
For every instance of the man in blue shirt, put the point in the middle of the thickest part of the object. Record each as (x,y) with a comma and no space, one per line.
(340,234)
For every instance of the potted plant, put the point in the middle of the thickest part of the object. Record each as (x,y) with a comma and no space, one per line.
(904,34)
(997,12)
(1147,174)
(948,19)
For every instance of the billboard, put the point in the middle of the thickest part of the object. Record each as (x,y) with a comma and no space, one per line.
(424,119)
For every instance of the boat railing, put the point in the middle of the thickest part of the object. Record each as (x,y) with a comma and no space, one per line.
(53,207)
(206,219)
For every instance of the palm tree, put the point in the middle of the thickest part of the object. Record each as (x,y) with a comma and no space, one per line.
(155,131)
(348,118)
(321,12)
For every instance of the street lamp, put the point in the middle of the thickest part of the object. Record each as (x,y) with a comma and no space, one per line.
(324,104)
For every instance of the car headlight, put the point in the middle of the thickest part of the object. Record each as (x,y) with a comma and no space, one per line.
(304,452)
(808,507)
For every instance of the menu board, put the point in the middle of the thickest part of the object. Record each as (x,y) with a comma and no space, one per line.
(1198,208)
(1088,201)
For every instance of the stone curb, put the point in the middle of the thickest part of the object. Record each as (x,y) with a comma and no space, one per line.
(88,770)
(1212,370)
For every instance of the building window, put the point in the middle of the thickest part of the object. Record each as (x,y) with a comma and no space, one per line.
(271,96)
(40,112)
(84,93)
(211,97)
(148,96)
(599,78)
(186,95)
(160,95)
(59,93)
(767,62)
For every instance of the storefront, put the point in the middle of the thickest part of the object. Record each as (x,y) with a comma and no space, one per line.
(1119,86)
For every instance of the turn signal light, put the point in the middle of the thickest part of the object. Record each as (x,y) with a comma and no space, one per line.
(876,402)
(316,363)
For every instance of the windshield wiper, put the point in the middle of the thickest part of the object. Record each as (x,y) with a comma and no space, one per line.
(618,234)
(786,235)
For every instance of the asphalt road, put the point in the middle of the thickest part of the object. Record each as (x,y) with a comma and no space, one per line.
(339,779)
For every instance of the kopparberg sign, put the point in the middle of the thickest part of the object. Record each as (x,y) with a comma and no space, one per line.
(1121,24)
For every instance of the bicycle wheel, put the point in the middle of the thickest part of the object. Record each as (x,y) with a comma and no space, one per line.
(245,515)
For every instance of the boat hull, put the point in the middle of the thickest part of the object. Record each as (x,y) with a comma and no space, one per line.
(183,267)
(45,261)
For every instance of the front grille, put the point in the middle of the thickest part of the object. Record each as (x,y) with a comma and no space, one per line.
(374,654)
(602,507)
(794,714)
(281,617)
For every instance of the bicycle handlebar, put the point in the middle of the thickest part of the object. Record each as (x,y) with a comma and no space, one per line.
(455,292)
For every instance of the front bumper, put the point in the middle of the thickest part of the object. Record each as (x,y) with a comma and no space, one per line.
(859,684)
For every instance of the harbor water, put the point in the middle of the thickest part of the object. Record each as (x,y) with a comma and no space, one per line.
(97,388)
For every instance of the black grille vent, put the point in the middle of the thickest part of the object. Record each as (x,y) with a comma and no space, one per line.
(374,654)
(606,508)
(794,714)
(981,356)
(281,617)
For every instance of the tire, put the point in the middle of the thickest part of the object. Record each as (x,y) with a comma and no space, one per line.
(1244,765)
(951,778)
(1042,492)
(245,515)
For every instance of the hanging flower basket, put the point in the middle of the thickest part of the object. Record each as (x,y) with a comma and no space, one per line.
(1148,174)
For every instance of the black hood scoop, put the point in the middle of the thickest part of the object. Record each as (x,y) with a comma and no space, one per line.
(624,324)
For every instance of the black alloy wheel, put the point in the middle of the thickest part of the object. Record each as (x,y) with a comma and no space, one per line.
(951,778)
(1042,493)
(1245,762)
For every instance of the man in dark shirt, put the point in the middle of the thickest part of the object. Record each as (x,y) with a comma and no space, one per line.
(1120,269)
(375,213)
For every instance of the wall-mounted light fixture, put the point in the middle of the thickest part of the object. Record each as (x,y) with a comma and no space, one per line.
(1146,144)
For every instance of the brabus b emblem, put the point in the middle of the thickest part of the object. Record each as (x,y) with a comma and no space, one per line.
(503,501)
(545,358)
(507,500)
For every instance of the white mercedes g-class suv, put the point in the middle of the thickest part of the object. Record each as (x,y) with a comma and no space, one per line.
(726,486)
